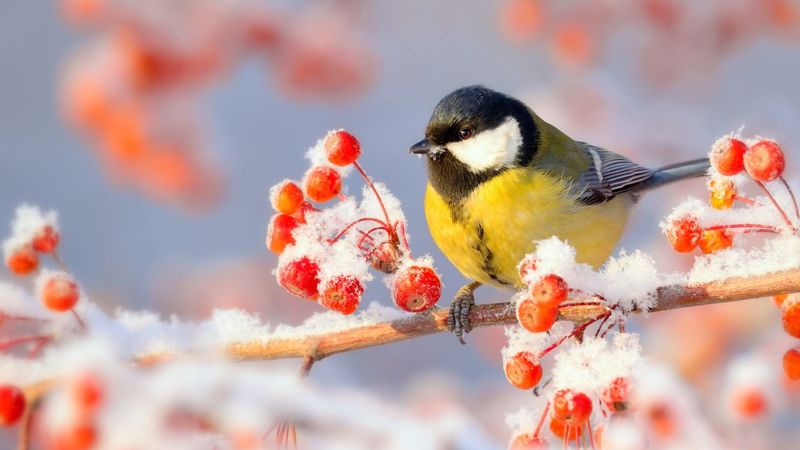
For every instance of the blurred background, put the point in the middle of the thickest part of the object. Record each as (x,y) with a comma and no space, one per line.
(156,128)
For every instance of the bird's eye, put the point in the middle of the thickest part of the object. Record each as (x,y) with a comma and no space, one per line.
(465,133)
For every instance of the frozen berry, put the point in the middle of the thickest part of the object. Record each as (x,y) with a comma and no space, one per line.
(280,232)
(790,314)
(58,292)
(573,408)
(22,261)
(727,156)
(522,370)
(300,277)
(536,317)
(764,161)
(342,148)
(46,240)
(342,293)
(286,197)
(526,441)
(87,393)
(684,233)
(322,183)
(550,290)
(723,194)
(416,288)
(712,241)
(615,396)
(12,404)
(561,429)
(791,364)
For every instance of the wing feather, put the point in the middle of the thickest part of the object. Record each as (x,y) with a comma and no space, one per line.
(609,175)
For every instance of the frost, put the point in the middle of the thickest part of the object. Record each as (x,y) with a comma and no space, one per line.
(523,421)
(520,340)
(591,366)
(28,222)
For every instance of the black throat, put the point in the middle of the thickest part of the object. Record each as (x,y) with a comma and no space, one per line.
(453,180)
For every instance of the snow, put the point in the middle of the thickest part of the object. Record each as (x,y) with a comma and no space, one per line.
(28,221)
(590,366)
(520,340)
(523,421)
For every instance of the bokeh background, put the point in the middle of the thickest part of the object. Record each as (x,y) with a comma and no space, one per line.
(236,91)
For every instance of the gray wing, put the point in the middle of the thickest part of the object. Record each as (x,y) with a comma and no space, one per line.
(609,175)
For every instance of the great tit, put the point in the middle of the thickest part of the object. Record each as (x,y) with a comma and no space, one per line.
(500,178)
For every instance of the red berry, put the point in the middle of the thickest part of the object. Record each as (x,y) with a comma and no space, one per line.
(712,241)
(749,403)
(300,277)
(80,436)
(723,194)
(416,288)
(790,314)
(764,161)
(22,261)
(572,408)
(286,197)
(59,292)
(536,317)
(87,393)
(616,395)
(559,428)
(46,240)
(12,404)
(684,233)
(526,441)
(342,293)
(342,148)
(280,232)
(528,264)
(791,364)
(523,371)
(727,157)
(661,419)
(302,212)
(550,290)
(322,183)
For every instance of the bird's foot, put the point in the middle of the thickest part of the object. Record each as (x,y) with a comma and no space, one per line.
(458,317)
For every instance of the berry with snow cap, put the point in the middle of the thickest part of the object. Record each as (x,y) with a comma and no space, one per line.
(550,290)
(342,293)
(764,161)
(46,240)
(791,364)
(322,183)
(342,148)
(57,291)
(684,233)
(712,241)
(572,408)
(727,156)
(615,396)
(723,193)
(22,260)
(300,277)
(286,197)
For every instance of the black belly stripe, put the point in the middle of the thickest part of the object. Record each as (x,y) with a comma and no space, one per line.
(487,265)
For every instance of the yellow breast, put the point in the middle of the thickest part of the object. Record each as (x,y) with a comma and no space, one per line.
(488,233)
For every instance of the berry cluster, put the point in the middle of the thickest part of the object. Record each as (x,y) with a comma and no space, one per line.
(137,90)
(325,254)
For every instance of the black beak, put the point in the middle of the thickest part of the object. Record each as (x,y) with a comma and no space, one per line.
(422,147)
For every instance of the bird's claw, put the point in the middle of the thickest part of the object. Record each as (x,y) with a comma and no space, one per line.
(458,317)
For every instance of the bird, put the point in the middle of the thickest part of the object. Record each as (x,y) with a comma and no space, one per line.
(500,179)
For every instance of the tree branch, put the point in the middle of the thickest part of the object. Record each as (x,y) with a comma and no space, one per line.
(485,315)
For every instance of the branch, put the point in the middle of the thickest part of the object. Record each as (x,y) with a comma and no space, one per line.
(485,315)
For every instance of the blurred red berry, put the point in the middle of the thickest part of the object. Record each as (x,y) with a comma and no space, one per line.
(615,396)
(684,233)
(536,317)
(764,161)
(723,194)
(522,370)
(23,260)
(712,241)
(342,148)
(280,232)
(573,408)
(526,441)
(87,393)
(550,290)
(520,20)
(661,419)
(342,293)
(573,43)
(59,293)
(728,157)
(46,240)
(79,436)
(416,288)
(286,197)
(559,428)
(300,277)
(322,183)
(790,314)
(791,364)
(12,404)
(749,403)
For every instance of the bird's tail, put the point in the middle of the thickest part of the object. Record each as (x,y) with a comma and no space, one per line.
(675,172)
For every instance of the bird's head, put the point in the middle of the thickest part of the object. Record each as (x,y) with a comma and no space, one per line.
(479,129)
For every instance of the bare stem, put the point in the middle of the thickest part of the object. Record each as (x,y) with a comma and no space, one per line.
(374,190)
(776,205)
(791,194)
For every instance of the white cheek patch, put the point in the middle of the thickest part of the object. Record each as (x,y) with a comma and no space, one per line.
(490,149)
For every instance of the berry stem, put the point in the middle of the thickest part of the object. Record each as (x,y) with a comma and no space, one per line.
(402,226)
(745,200)
(575,332)
(39,346)
(541,420)
(352,224)
(22,340)
(59,261)
(78,318)
(374,190)
(748,227)
(776,205)
(4,317)
(791,194)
